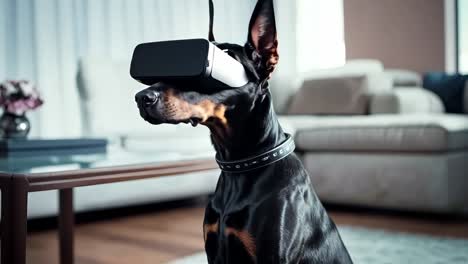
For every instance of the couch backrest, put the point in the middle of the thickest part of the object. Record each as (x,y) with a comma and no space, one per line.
(352,67)
(404,78)
(372,70)
(342,90)
(284,88)
(107,98)
(332,96)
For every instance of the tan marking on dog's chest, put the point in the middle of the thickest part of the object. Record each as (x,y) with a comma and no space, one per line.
(245,238)
(210,228)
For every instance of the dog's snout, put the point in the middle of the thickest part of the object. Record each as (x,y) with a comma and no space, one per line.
(151,98)
(147,97)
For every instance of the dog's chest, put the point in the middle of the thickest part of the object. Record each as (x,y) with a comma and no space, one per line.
(228,236)
(235,230)
(241,215)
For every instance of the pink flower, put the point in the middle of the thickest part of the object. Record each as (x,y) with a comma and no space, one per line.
(17,97)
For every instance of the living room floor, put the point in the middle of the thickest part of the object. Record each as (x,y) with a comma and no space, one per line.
(162,233)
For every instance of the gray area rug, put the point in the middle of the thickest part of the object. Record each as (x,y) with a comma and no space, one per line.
(368,246)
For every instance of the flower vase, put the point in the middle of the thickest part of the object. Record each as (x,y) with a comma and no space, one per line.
(14,126)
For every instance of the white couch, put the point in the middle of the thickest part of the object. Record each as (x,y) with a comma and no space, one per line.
(364,140)
(412,162)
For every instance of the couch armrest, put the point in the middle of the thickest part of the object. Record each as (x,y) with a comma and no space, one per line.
(406,100)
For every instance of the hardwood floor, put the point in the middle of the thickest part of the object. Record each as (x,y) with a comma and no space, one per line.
(151,238)
(164,235)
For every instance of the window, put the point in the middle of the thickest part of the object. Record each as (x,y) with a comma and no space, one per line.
(320,34)
(462,39)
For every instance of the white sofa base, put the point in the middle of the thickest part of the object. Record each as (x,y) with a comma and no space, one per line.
(432,182)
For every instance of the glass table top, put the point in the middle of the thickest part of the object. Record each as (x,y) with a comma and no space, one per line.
(113,157)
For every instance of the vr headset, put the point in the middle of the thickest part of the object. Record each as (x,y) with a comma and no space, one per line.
(192,64)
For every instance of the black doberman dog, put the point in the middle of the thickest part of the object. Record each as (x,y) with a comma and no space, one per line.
(264,209)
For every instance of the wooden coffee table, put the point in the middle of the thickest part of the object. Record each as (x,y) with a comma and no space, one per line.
(21,176)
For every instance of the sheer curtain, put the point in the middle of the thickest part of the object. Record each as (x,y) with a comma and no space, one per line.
(43,40)
(462,36)
(321,41)
(311,37)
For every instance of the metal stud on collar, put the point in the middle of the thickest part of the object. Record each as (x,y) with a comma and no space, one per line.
(276,154)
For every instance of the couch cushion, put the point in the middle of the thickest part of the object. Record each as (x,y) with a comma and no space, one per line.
(377,79)
(337,95)
(401,133)
(338,84)
(449,87)
(404,78)
(402,101)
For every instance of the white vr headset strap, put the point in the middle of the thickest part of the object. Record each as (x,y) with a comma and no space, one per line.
(226,69)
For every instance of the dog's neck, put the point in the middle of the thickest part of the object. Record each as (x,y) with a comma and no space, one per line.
(250,136)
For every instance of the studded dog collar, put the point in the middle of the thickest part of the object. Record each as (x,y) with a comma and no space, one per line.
(264,159)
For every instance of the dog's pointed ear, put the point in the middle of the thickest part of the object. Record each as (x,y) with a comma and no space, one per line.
(262,40)
(210,32)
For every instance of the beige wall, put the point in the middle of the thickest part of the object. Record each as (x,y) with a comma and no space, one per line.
(405,34)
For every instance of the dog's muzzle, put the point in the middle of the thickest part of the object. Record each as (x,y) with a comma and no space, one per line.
(147,101)
(147,98)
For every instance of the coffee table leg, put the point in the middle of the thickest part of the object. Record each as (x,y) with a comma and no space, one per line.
(66,226)
(14,220)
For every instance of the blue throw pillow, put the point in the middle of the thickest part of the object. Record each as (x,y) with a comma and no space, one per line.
(449,87)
